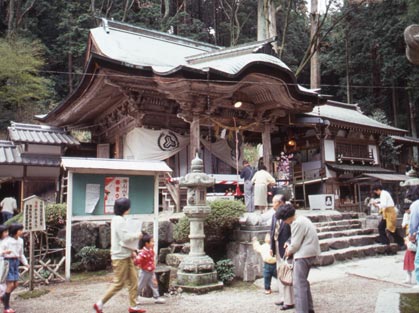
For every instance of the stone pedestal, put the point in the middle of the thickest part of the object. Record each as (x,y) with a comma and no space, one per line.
(248,264)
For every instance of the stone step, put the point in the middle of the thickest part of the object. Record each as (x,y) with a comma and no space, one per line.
(332,256)
(346,242)
(338,223)
(316,216)
(338,227)
(346,232)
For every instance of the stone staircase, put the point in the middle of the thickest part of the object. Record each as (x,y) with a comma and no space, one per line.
(345,236)
(342,236)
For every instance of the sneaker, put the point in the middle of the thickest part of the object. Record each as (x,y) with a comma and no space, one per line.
(9,310)
(159,300)
(415,286)
(136,309)
(97,308)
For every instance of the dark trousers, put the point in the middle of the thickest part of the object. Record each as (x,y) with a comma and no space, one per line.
(384,234)
(269,271)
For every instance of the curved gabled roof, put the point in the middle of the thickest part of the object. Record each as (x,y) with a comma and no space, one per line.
(140,52)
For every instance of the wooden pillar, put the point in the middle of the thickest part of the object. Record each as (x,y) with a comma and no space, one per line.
(194,136)
(267,147)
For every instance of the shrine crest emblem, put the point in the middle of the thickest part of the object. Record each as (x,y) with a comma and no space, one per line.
(168,141)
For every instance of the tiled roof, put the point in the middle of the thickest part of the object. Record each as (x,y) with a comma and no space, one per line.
(11,155)
(406,139)
(357,168)
(40,134)
(350,114)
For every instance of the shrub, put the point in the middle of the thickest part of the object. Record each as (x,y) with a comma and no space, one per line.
(221,221)
(225,271)
(94,259)
(55,217)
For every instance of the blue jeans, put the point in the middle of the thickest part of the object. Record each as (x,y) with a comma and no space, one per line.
(6,216)
(269,271)
(417,261)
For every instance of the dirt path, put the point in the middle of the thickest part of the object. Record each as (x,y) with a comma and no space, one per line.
(342,295)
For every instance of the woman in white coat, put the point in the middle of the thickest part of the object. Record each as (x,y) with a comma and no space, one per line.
(261,180)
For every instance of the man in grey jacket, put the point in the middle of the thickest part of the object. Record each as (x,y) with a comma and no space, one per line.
(305,248)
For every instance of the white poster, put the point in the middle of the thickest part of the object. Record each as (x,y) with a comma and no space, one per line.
(92,197)
(115,188)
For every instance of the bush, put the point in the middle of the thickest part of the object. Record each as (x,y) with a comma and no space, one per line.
(221,221)
(225,271)
(94,259)
(55,217)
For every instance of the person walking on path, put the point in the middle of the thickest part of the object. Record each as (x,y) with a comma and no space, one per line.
(262,179)
(247,174)
(8,206)
(388,222)
(280,234)
(122,263)
(305,248)
(145,261)
(14,245)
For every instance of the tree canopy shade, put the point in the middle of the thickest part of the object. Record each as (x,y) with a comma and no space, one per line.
(23,92)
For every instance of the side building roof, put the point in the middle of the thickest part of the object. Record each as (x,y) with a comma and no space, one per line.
(348,116)
(40,134)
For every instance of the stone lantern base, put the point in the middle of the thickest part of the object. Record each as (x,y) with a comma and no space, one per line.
(197,274)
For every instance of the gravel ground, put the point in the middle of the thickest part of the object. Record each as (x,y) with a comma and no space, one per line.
(343,294)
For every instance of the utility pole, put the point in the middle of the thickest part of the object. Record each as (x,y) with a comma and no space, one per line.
(314,62)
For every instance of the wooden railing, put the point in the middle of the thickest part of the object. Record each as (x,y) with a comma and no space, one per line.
(172,188)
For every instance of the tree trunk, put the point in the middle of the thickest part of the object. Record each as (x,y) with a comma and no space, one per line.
(266,20)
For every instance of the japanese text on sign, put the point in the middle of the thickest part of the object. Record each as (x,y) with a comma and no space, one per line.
(115,188)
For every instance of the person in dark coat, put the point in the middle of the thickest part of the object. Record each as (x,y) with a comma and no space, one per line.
(280,234)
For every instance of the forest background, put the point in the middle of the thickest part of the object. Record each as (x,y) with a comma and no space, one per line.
(360,44)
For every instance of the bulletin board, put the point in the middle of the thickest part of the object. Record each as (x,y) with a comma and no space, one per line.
(140,192)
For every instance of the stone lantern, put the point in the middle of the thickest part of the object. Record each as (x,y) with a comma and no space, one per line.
(196,272)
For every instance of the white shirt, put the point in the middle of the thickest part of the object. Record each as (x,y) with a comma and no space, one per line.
(120,234)
(16,249)
(386,200)
(8,204)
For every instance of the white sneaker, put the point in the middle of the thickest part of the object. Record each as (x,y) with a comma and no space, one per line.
(416,286)
(159,300)
(407,281)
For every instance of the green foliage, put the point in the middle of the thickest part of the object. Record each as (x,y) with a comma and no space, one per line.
(23,92)
(389,151)
(224,217)
(18,218)
(181,230)
(55,217)
(225,271)
(93,258)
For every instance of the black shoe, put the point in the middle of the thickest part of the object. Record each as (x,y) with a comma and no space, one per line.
(311,311)
(279,303)
(287,307)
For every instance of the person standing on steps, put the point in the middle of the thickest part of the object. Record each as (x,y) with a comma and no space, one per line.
(247,173)
(8,207)
(388,223)
(262,179)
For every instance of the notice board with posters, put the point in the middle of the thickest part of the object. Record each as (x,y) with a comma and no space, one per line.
(95,194)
